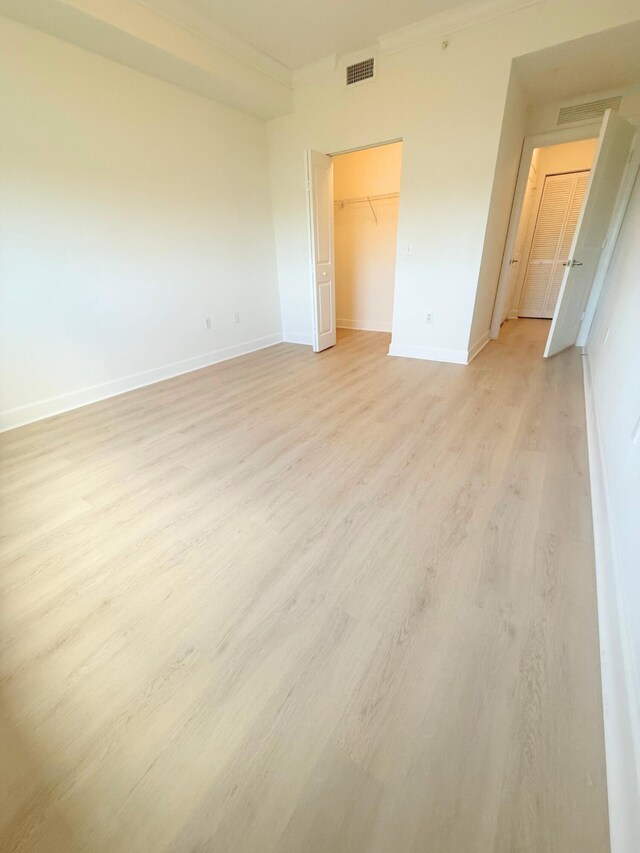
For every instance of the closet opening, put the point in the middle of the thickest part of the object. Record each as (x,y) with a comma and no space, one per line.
(354,200)
(366,190)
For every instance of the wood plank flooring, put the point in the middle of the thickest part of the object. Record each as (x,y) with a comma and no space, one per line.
(333,603)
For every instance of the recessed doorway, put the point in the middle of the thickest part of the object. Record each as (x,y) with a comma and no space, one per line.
(354,200)
(556,186)
(366,187)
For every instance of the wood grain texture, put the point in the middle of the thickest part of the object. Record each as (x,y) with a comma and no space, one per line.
(341,603)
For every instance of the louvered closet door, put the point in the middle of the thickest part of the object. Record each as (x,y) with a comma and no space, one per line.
(558,214)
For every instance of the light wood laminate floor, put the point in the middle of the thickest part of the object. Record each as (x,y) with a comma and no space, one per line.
(334,603)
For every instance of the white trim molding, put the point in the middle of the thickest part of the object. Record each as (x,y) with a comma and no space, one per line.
(453,356)
(364,325)
(479,345)
(23,415)
(450,21)
(619,681)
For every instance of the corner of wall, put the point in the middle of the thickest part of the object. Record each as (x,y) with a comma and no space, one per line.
(479,345)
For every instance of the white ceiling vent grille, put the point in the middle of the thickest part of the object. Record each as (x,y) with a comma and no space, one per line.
(582,112)
(360,71)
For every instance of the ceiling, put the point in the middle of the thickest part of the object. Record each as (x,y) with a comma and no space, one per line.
(296,32)
(597,63)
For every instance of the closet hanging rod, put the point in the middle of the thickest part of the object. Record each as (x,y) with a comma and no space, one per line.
(366,199)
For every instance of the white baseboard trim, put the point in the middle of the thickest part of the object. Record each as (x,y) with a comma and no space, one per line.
(619,681)
(294,338)
(453,356)
(23,415)
(364,325)
(513,315)
(473,351)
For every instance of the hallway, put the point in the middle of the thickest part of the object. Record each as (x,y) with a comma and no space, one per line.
(331,603)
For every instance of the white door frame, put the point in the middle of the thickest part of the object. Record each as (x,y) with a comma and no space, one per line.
(310,223)
(539,140)
(622,202)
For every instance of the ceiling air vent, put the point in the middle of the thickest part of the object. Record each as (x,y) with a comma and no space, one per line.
(582,112)
(360,71)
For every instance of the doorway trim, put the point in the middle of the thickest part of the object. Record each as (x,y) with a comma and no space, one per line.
(365,147)
(310,223)
(539,140)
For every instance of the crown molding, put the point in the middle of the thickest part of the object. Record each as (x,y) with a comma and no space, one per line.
(453,20)
(133,34)
(200,24)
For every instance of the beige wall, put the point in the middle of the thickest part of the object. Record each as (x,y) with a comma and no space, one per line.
(366,249)
(371,171)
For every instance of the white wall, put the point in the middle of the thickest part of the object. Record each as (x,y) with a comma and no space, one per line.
(447,106)
(129,211)
(506,172)
(613,357)
(365,249)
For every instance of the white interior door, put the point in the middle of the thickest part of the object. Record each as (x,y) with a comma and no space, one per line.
(320,186)
(608,168)
(558,213)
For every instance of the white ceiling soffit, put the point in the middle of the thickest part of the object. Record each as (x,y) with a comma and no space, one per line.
(450,21)
(602,62)
(191,17)
(133,35)
(299,32)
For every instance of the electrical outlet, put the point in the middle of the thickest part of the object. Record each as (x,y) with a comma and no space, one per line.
(236,317)
(207,322)
(428,317)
